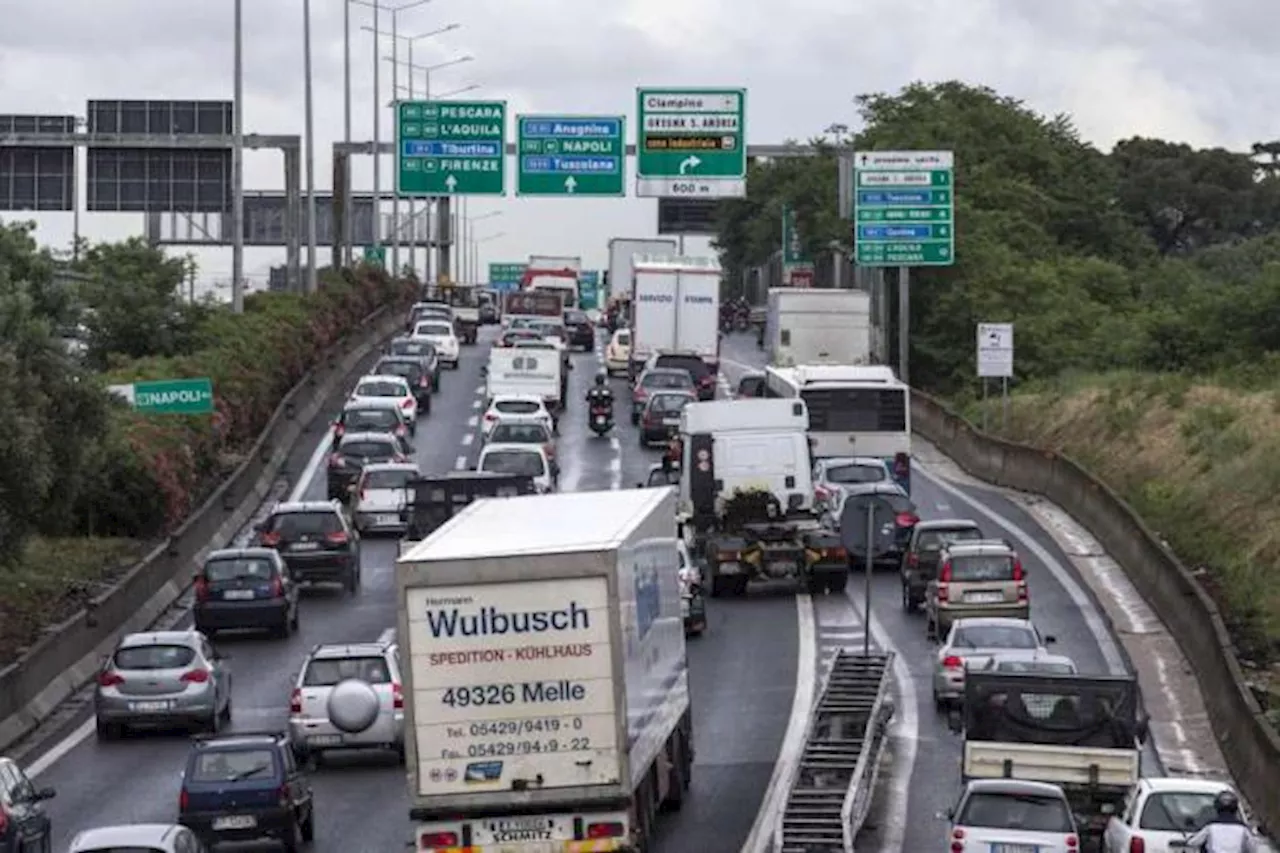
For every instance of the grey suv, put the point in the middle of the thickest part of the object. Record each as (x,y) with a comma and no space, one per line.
(348,696)
(976,578)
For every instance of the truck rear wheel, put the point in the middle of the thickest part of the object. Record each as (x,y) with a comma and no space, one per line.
(837,581)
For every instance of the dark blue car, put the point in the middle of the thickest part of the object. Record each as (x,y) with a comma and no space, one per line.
(246,787)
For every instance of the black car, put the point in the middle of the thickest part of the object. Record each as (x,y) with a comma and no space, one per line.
(488,314)
(355,450)
(420,382)
(246,787)
(704,377)
(581,332)
(316,540)
(421,350)
(245,588)
(371,416)
(24,824)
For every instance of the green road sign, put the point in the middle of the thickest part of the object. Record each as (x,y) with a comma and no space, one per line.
(792,249)
(589,290)
(174,397)
(451,148)
(691,143)
(904,208)
(571,155)
(506,276)
(376,256)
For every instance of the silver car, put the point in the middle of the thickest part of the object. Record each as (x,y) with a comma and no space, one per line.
(832,474)
(382,497)
(162,678)
(971,643)
(348,696)
(151,837)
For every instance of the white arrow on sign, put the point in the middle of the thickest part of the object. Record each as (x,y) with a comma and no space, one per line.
(570,184)
(689,163)
(450,183)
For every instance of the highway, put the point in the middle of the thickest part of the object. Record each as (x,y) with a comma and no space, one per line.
(743,670)
(926,770)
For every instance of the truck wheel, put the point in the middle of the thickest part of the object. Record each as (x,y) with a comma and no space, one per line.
(837,581)
(676,783)
(717,586)
(815,584)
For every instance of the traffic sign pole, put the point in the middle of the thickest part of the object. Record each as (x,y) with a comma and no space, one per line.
(449,148)
(691,143)
(571,155)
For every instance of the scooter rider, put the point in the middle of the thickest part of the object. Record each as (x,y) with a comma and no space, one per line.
(1227,832)
(600,394)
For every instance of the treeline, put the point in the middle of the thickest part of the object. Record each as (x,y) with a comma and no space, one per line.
(1154,256)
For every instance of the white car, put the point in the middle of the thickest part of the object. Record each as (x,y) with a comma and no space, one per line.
(151,837)
(617,355)
(529,460)
(439,333)
(515,407)
(382,497)
(381,388)
(971,643)
(1161,813)
(1010,814)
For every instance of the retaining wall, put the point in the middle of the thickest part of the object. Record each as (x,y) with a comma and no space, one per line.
(1249,744)
(70,654)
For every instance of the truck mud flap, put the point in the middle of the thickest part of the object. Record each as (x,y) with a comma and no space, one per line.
(830,794)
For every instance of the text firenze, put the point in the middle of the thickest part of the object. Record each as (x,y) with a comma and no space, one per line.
(492,622)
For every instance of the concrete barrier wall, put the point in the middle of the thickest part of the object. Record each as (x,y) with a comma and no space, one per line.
(1249,744)
(69,654)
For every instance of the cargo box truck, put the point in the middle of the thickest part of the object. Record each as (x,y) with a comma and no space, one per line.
(546,684)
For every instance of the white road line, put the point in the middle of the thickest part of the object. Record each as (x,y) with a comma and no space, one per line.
(480,390)
(615,464)
(313,465)
(475,404)
(460,463)
(775,800)
(467,439)
(61,748)
(905,737)
(473,421)
(1089,612)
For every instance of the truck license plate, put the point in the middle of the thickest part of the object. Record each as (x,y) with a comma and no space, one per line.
(146,707)
(237,821)
(987,598)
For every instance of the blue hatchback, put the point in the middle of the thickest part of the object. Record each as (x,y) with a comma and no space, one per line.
(246,787)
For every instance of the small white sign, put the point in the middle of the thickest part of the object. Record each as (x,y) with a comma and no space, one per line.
(691,187)
(995,350)
(893,161)
(125,392)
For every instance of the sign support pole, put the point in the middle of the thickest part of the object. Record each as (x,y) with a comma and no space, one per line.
(904,323)
(1004,404)
(866,581)
(984,404)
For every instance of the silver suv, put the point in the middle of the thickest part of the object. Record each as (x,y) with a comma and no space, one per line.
(348,696)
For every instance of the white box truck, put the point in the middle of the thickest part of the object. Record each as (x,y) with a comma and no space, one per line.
(546,683)
(556,273)
(818,326)
(622,250)
(675,307)
(521,370)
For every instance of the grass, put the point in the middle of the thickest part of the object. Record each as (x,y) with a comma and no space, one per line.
(52,581)
(1199,459)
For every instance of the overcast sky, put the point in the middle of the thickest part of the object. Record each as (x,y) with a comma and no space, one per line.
(1199,71)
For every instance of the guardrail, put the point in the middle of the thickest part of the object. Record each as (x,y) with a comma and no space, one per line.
(1249,744)
(862,787)
(69,654)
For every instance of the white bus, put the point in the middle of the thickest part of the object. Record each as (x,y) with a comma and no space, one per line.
(853,411)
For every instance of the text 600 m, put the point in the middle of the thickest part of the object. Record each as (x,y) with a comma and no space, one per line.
(510,694)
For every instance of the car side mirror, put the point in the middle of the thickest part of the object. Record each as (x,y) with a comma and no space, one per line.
(45,794)
(954,722)
(1050,640)
(639,485)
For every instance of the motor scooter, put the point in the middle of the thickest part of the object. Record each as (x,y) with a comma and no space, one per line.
(600,417)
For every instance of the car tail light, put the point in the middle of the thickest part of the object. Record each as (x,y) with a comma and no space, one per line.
(277,587)
(284,796)
(401,430)
(913,559)
(821,493)
(338,429)
(1073,842)
(728,556)
(837,553)
(295,702)
(196,676)
(406,403)
(335,460)
(337,537)
(944,576)
(906,519)
(110,679)
(1137,845)
(184,802)
(611,829)
(270,539)
(550,450)
(1017,570)
(397,697)
(957,847)
(201,587)
(901,465)
(637,394)
(490,417)
(424,382)
(952,662)
(957,834)
(434,840)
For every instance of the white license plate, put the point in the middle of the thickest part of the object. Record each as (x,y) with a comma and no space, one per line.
(386,519)
(306,546)
(671,422)
(324,740)
(149,706)
(238,821)
(985,598)
(1014,848)
(238,594)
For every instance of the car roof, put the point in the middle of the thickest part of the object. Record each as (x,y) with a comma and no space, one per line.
(158,638)
(978,546)
(946,523)
(125,835)
(513,446)
(407,359)
(671,392)
(384,437)
(658,371)
(1187,784)
(232,553)
(1036,655)
(870,461)
(993,622)
(1014,786)
(522,421)
(371,403)
(390,466)
(881,488)
(380,377)
(516,398)
(331,651)
(240,740)
(286,507)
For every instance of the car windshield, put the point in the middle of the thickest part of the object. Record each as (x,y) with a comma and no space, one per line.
(442,330)
(379,388)
(623,339)
(994,637)
(154,657)
(396,478)
(513,462)
(897,501)
(290,524)
(373,420)
(520,434)
(129,849)
(1045,666)
(672,379)
(933,540)
(694,366)
(379,450)
(1178,811)
(225,765)
(668,404)
(751,386)
(575,318)
(550,330)
(238,569)
(407,369)
(978,568)
(1025,812)
(422,349)
(856,473)
(517,407)
(326,672)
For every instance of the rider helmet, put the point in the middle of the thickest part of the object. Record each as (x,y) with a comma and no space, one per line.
(1226,804)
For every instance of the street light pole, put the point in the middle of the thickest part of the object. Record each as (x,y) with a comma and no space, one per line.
(313,278)
(347,215)
(237,165)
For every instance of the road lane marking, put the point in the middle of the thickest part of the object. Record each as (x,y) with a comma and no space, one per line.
(467,439)
(615,464)
(460,463)
(473,421)
(313,465)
